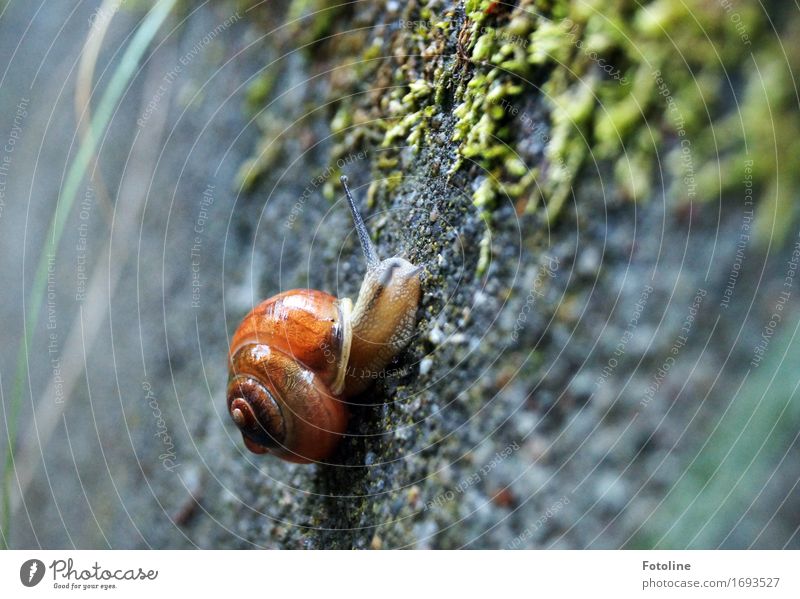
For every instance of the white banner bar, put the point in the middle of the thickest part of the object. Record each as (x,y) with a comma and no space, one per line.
(401,574)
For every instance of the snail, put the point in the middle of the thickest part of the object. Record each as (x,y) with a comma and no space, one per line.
(298,356)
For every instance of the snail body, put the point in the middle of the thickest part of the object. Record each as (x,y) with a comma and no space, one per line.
(297,356)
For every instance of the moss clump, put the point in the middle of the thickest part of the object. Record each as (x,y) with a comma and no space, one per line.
(657,78)
(312,20)
(487,103)
(635,86)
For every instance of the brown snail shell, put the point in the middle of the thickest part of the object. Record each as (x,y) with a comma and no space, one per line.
(297,356)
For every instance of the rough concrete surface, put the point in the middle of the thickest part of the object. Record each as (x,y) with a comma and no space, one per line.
(579,376)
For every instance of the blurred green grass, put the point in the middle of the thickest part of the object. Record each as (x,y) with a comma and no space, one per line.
(740,458)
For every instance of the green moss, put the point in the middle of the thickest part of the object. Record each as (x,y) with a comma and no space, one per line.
(485,256)
(486,102)
(629,118)
(622,82)
(413,90)
(260,89)
(602,63)
(312,20)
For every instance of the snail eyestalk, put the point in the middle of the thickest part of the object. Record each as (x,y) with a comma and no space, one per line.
(363,235)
